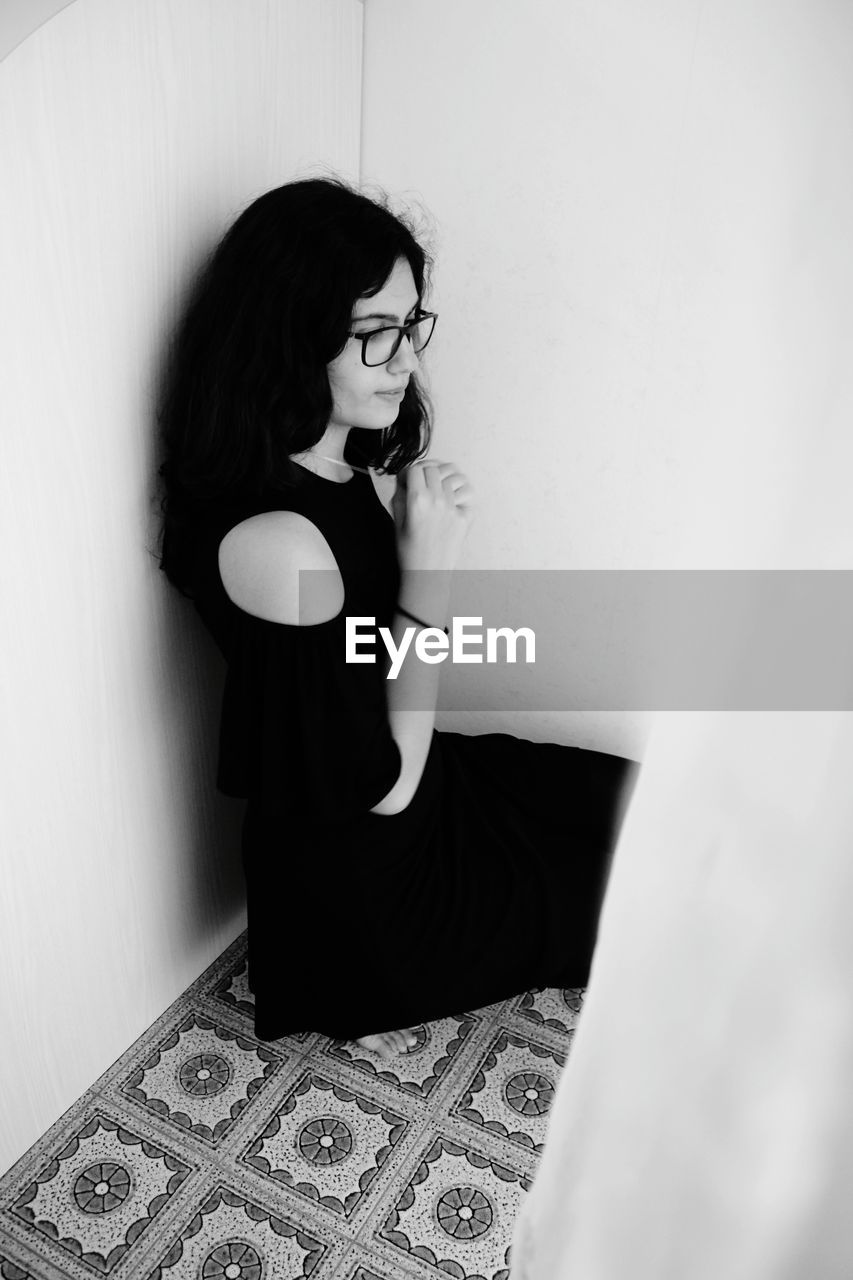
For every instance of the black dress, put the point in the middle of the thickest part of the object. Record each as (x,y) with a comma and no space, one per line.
(487,884)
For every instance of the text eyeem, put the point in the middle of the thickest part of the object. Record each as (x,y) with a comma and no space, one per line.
(432,645)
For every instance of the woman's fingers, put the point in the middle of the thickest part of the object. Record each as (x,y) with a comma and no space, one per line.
(428,467)
(443,483)
(432,472)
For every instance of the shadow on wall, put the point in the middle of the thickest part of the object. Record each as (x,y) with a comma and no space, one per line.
(190,682)
(208,824)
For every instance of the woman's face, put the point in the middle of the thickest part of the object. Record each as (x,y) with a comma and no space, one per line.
(360,395)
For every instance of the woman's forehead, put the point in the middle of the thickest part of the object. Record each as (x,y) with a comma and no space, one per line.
(398,290)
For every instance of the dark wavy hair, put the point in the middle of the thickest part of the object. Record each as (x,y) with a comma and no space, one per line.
(245,381)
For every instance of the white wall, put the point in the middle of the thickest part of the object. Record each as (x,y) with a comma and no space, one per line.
(640,261)
(666,185)
(132,135)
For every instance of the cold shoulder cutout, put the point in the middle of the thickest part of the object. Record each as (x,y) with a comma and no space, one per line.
(260,560)
(302,732)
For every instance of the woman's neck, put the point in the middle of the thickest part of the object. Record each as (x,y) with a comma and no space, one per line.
(327,456)
(331,444)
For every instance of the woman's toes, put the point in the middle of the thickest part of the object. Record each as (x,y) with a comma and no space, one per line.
(389,1044)
(375,1044)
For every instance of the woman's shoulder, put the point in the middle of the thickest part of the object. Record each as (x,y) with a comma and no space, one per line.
(260,559)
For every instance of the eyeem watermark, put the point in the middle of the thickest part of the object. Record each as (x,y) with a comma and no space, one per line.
(432,645)
(615,640)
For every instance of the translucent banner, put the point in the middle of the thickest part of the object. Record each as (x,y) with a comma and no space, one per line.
(632,640)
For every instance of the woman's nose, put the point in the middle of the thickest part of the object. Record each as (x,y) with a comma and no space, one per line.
(405,357)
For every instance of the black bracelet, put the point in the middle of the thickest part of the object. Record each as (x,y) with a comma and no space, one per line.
(420,621)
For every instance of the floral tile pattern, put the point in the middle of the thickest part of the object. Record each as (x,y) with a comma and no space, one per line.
(100,1193)
(231,1237)
(457,1212)
(512,1090)
(557,1009)
(207,1153)
(371,1269)
(327,1143)
(202,1076)
(9,1271)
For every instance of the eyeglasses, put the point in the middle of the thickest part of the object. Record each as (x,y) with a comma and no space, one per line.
(381,345)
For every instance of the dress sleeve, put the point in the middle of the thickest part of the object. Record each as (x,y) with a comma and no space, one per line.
(302,730)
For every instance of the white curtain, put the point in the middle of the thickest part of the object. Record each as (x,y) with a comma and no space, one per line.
(703,1126)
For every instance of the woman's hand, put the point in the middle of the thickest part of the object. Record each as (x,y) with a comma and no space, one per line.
(433,510)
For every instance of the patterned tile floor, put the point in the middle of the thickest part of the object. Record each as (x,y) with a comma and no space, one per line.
(206,1153)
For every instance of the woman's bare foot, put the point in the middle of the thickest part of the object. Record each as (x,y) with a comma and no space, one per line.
(388,1044)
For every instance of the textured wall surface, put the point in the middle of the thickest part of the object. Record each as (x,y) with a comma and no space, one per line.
(132,135)
(641,260)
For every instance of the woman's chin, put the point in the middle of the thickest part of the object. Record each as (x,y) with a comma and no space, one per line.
(378,422)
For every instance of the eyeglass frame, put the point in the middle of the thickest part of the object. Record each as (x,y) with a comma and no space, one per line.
(403,331)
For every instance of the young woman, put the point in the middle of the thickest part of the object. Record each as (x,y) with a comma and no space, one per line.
(394,874)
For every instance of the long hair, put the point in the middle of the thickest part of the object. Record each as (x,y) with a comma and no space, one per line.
(245,382)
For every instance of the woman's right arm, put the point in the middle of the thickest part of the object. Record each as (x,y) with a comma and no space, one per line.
(433,510)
